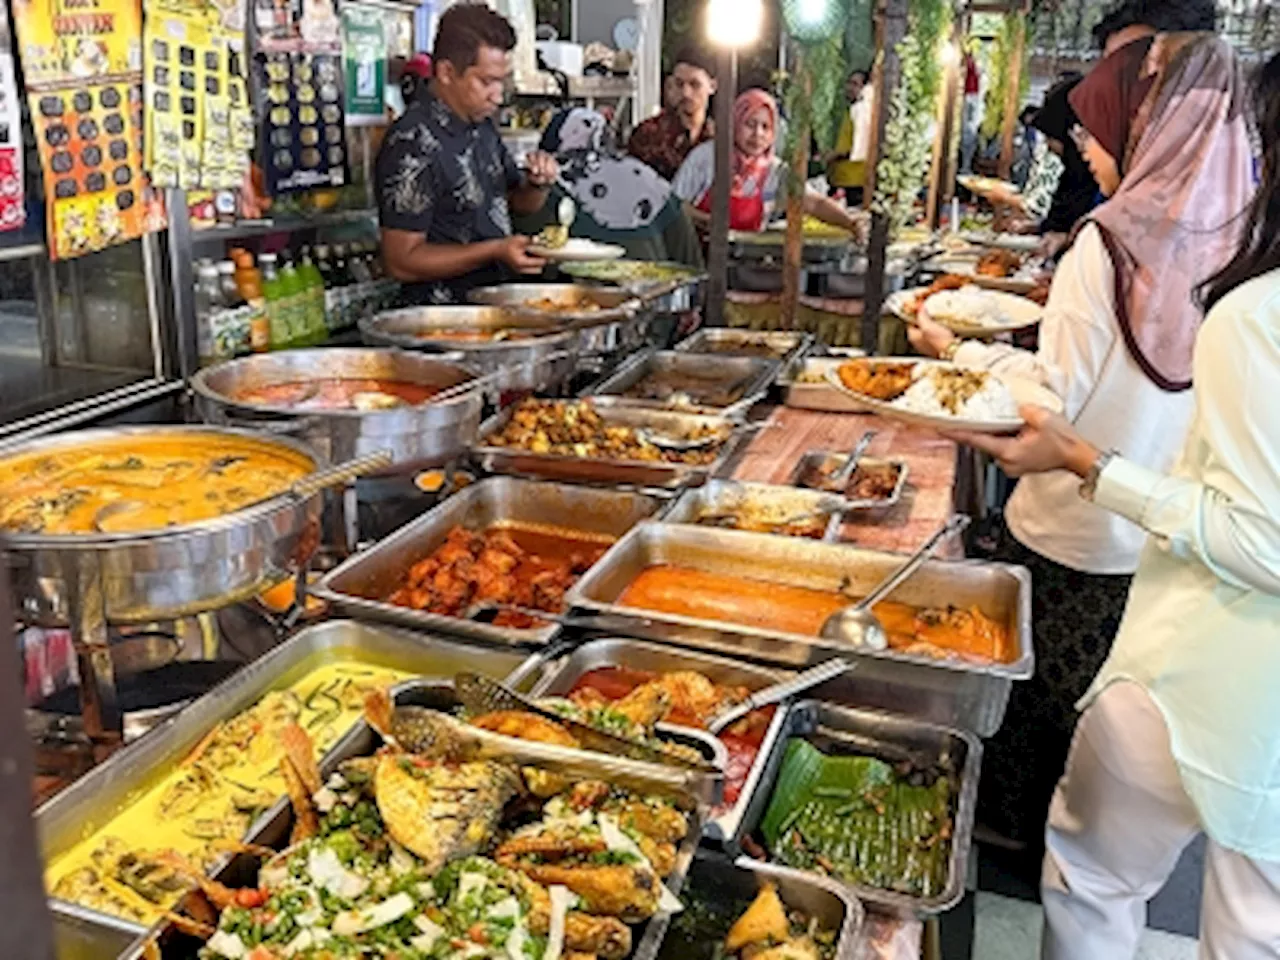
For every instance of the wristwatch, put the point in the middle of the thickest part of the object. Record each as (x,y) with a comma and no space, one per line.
(948,352)
(1090,485)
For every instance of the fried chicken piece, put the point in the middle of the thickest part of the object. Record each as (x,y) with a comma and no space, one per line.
(645,705)
(661,854)
(629,893)
(607,937)
(650,818)
(525,726)
(880,380)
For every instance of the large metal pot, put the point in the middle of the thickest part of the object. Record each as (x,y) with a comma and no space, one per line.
(140,577)
(616,324)
(429,435)
(544,359)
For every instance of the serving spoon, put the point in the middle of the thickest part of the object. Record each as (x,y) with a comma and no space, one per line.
(856,625)
(777,692)
(840,479)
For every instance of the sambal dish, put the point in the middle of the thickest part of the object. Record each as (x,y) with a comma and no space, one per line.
(522,565)
(139,483)
(938,632)
(870,481)
(572,428)
(339,393)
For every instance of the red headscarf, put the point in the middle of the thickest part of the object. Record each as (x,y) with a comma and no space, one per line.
(1106,101)
(1174,112)
(751,173)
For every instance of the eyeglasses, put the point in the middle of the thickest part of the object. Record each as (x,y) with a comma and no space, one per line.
(1080,136)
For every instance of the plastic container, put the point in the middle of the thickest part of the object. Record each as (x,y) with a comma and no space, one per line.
(208,304)
(249,283)
(277,305)
(294,293)
(317,330)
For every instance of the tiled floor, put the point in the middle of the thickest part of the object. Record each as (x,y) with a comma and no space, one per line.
(1008,929)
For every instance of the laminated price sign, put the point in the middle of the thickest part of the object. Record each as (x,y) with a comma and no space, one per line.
(365,61)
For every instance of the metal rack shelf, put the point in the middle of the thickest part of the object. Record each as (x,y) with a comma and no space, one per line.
(247,229)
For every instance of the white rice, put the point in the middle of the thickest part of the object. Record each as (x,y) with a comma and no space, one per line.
(972,306)
(993,402)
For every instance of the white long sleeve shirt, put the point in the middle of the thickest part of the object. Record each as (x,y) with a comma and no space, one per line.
(1202,629)
(1083,359)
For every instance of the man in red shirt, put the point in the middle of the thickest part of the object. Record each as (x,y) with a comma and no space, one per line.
(665,140)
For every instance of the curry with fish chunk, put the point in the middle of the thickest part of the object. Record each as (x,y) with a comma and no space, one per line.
(129,484)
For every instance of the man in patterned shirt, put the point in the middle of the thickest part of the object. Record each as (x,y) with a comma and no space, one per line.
(445,183)
(665,140)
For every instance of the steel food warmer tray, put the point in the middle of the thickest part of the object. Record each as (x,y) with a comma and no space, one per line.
(751,376)
(785,346)
(362,583)
(951,691)
(632,473)
(893,739)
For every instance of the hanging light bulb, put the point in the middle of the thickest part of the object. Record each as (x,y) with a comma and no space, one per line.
(735,23)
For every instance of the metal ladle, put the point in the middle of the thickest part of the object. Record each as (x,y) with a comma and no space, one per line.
(856,625)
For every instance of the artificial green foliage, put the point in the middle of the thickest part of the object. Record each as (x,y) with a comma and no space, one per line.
(906,149)
(1002,47)
(814,90)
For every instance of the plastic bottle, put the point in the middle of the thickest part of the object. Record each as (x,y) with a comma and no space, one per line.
(235,310)
(343,302)
(249,283)
(317,331)
(208,303)
(273,292)
(295,297)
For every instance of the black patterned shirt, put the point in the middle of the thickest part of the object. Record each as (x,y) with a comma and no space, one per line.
(448,179)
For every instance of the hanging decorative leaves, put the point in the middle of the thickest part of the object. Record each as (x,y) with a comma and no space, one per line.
(906,149)
(1002,47)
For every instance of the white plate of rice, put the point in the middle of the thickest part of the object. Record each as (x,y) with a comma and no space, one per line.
(949,397)
(578,250)
(973,311)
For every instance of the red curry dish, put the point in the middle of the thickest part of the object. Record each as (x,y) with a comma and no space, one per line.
(520,565)
(336,393)
(694,701)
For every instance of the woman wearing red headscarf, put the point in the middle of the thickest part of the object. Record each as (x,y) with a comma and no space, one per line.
(757,172)
(1115,345)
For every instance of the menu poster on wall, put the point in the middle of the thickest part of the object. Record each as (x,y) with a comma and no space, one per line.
(364,49)
(13,214)
(200,124)
(82,60)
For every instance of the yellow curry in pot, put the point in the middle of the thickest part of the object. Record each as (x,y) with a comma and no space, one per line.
(129,484)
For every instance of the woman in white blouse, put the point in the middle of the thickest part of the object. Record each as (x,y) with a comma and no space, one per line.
(1181,729)
(1115,345)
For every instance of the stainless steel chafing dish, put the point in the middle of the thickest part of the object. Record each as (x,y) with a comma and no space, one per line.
(750,375)
(817,459)
(88,804)
(542,357)
(361,585)
(637,473)
(556,676)
(783,345)
(428,435)
(683,292)
(725,496)
(616,323)
(719,879)
(893,739)
(951,691)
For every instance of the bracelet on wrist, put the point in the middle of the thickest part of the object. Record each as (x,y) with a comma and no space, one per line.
(1089,488)
(948,352)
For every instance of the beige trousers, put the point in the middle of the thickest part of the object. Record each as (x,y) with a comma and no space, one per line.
(1118,821)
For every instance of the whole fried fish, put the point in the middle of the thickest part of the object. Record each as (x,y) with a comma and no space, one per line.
(442,811)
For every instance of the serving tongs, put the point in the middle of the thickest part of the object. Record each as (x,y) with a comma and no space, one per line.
(684,785)
(480,695)
(777,692)
(296,493)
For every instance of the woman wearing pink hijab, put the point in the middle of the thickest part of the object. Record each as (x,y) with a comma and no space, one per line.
(1115,346)
(757,172)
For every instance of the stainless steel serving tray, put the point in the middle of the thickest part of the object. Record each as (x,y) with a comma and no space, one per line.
(892,739)
(677,295)
(555,677)
(716,496)
(816,396)
(635,473)
(361,585)
(814,457)
(767,246)
(752,374)
(694,790)
(786,345)
(951,691)
(818,898)
(95,799)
